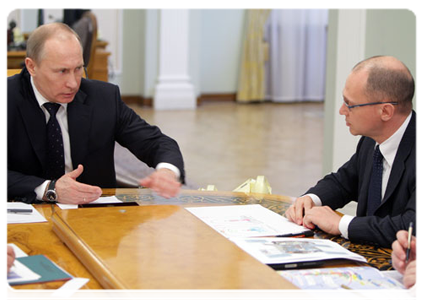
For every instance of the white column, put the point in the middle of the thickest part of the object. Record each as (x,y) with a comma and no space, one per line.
(174,89)
(351,49)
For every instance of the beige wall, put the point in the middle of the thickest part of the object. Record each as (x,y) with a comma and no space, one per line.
(396,32)
(378,32)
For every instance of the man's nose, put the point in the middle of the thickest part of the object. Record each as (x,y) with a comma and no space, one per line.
(72,81)
(343,110)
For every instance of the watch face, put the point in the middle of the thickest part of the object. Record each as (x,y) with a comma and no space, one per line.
(51,195)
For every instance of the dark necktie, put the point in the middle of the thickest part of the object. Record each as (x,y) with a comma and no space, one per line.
(55,152)
(375,188)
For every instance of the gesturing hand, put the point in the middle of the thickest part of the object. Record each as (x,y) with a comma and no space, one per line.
(163,182)
(71,191)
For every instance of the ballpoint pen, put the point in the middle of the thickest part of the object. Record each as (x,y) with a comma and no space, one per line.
(410,232)
(19,210)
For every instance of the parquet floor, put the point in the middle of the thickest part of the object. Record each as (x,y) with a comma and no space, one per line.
(224,144)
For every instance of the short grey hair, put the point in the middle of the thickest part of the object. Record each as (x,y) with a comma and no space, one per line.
(38,38)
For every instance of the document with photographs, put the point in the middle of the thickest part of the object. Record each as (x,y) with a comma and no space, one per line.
(291,253)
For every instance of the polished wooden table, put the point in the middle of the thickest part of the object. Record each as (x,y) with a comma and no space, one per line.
(40,239)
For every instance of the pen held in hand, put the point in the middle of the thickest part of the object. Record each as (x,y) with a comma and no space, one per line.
(410,232)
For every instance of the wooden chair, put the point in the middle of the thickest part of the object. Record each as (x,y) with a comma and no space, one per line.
(86,28)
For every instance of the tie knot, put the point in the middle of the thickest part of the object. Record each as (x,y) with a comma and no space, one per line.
(52,108)
(377,155)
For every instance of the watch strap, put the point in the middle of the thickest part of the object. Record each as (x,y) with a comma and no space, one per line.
(51,189)
(52,185)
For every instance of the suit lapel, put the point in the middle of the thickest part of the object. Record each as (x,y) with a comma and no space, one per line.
(363,194)
(79,116)
(34,121)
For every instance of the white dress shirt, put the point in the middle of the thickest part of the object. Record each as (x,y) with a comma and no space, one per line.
(389,150)
(62,118)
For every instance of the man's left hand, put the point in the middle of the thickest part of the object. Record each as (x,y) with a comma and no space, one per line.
(163,182)
(323,217)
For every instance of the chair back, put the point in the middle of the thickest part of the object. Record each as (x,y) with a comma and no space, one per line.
(11,72)
(86,28)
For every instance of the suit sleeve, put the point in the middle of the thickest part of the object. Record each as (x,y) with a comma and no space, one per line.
(338,189)
(21,187)
(145,141)
(382,231)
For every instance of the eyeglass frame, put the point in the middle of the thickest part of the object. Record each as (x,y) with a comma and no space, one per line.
(366,104)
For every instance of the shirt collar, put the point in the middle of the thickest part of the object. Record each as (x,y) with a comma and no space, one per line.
(389,147)
(40,98)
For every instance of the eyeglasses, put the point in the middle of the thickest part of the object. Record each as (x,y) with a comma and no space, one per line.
(365,104)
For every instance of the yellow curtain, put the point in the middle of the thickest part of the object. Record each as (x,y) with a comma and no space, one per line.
(251,84)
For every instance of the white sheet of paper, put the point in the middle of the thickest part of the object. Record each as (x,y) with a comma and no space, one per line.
(394,274)
(18,251)
(338,278)
(18,218)
(109,199)
(242,221)
(70,287)
(19,273)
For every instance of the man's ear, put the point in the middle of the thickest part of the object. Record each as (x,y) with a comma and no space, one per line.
(387,111)
(30,66)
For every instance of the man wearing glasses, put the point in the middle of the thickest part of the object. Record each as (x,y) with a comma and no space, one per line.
(381,175)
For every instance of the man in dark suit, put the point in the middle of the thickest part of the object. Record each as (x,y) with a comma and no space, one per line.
(377,105)
(90,118)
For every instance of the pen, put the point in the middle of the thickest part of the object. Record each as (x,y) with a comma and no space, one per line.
(19,210)
(355,292)
(298,235)
(410,232)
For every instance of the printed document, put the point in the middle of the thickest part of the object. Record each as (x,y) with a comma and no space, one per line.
(355,278)
(242,221)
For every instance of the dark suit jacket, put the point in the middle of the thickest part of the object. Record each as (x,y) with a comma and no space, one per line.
(97,118)
(351,183)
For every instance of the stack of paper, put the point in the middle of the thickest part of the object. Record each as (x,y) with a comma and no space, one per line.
(264,235)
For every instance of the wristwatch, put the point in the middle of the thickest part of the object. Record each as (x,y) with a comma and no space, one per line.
(51,194)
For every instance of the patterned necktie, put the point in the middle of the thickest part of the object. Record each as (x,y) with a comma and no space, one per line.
(375,188)
(55,152)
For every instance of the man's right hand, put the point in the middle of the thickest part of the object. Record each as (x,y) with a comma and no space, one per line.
(399,249)
(70,191)
(296,211)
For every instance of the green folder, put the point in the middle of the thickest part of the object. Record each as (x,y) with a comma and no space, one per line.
(44,267)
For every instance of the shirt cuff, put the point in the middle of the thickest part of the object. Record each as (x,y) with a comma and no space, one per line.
(343,225)
(170,167)
(315,199)
(39,190)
